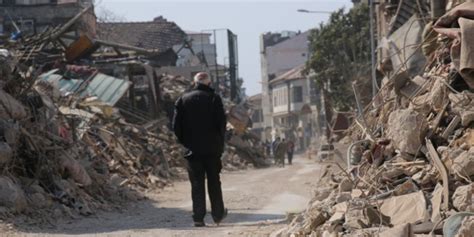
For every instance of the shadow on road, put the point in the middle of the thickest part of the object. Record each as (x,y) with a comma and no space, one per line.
(145,216)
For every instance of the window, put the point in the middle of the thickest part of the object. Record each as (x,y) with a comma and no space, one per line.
(26,26)
(280,96)
(257,116)
(297,94)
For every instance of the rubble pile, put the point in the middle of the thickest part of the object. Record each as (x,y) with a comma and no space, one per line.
(66,154)
(67,150)
(242,149)
(413,160)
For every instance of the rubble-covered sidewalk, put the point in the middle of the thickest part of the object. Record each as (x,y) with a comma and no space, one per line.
(413,156)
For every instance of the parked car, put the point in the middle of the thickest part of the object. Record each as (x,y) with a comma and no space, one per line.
(325,151)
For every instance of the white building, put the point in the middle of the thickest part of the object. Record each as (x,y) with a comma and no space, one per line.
(256,114)
(291,105)
(280,52)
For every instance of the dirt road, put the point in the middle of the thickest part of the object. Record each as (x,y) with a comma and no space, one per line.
(258,201)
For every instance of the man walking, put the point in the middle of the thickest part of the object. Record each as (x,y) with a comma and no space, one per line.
(280,153)
(199,123)
(274,149)
(290,151)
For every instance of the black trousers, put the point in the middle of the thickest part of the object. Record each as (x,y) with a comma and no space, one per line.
(200,167)
(290,157)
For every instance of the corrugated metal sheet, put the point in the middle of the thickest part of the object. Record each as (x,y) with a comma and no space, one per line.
(108,89)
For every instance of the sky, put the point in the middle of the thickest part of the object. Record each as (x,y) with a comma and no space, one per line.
(247,19)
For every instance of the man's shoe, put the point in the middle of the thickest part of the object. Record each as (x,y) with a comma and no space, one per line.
(226,211)
(199,224)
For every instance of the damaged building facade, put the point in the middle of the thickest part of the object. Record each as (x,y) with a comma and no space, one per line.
(85,124)
(285,90)
(291,112)
(33,17)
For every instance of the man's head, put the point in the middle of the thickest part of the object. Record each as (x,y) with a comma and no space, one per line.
(278,138)
(202,78)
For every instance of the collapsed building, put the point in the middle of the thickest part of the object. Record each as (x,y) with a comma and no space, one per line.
(85,123)
(409,169)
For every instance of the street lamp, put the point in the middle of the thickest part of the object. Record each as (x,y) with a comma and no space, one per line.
(317,12)
(322,113)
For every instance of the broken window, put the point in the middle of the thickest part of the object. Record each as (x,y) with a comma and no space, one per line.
(27,26)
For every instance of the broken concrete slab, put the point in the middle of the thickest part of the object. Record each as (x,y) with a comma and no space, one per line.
(407,187)
(463,165)
(361,216)
(407,129)
(339,211)
(315,220)
(463,105)
(409,208)
(414,87)
(345,185)
(463,198)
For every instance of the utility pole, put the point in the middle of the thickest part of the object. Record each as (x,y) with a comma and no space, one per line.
(217,87)
(372,48)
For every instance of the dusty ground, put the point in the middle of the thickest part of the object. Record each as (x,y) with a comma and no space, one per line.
(258,201)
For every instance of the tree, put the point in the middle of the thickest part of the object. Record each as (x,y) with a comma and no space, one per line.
(341,55)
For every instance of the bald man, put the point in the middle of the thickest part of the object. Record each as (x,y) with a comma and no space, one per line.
(199,123)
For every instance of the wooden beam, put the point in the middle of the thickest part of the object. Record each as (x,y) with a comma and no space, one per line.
(452,125)
(433,154)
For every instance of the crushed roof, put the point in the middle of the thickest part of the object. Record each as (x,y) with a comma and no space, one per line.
(159,34)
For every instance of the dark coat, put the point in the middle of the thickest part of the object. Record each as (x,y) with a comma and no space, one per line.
(199,121)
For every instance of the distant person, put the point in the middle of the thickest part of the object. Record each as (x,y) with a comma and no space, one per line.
(290,151)
(268,148)
(274,146)
(281,149)
(199,123)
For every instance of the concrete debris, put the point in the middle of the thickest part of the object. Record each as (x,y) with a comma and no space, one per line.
(11,195)
(463,198)
(398,231)
(418,164)
(93,131)
(467,228)
(362,215)
(436,199)
(463,165)
(409,208)
(407,130)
